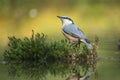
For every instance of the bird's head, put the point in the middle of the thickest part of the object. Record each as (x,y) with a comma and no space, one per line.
(66,20)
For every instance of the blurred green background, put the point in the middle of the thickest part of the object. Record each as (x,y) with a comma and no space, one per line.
(95,17)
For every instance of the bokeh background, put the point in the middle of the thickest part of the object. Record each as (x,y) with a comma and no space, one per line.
(95,17)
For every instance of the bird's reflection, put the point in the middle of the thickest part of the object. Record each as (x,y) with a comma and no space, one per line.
(79,77)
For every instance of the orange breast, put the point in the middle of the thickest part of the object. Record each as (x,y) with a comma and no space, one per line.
(71,38)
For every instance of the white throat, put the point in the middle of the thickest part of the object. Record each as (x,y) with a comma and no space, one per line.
(66,22)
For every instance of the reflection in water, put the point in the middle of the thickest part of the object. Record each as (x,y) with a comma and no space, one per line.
(39,71)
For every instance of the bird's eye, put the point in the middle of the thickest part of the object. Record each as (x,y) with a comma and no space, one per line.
(66,17)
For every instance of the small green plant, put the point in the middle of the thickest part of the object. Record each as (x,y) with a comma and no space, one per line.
(37,48)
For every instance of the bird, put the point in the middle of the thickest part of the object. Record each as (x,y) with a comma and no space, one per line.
(72,32)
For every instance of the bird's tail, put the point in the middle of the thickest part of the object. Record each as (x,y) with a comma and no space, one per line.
(87,42)
(89,46)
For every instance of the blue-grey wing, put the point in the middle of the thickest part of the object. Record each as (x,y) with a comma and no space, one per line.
(74,31)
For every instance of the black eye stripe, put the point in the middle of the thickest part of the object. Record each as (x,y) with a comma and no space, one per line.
(67,18)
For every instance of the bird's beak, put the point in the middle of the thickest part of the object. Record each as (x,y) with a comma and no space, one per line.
(59,16)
